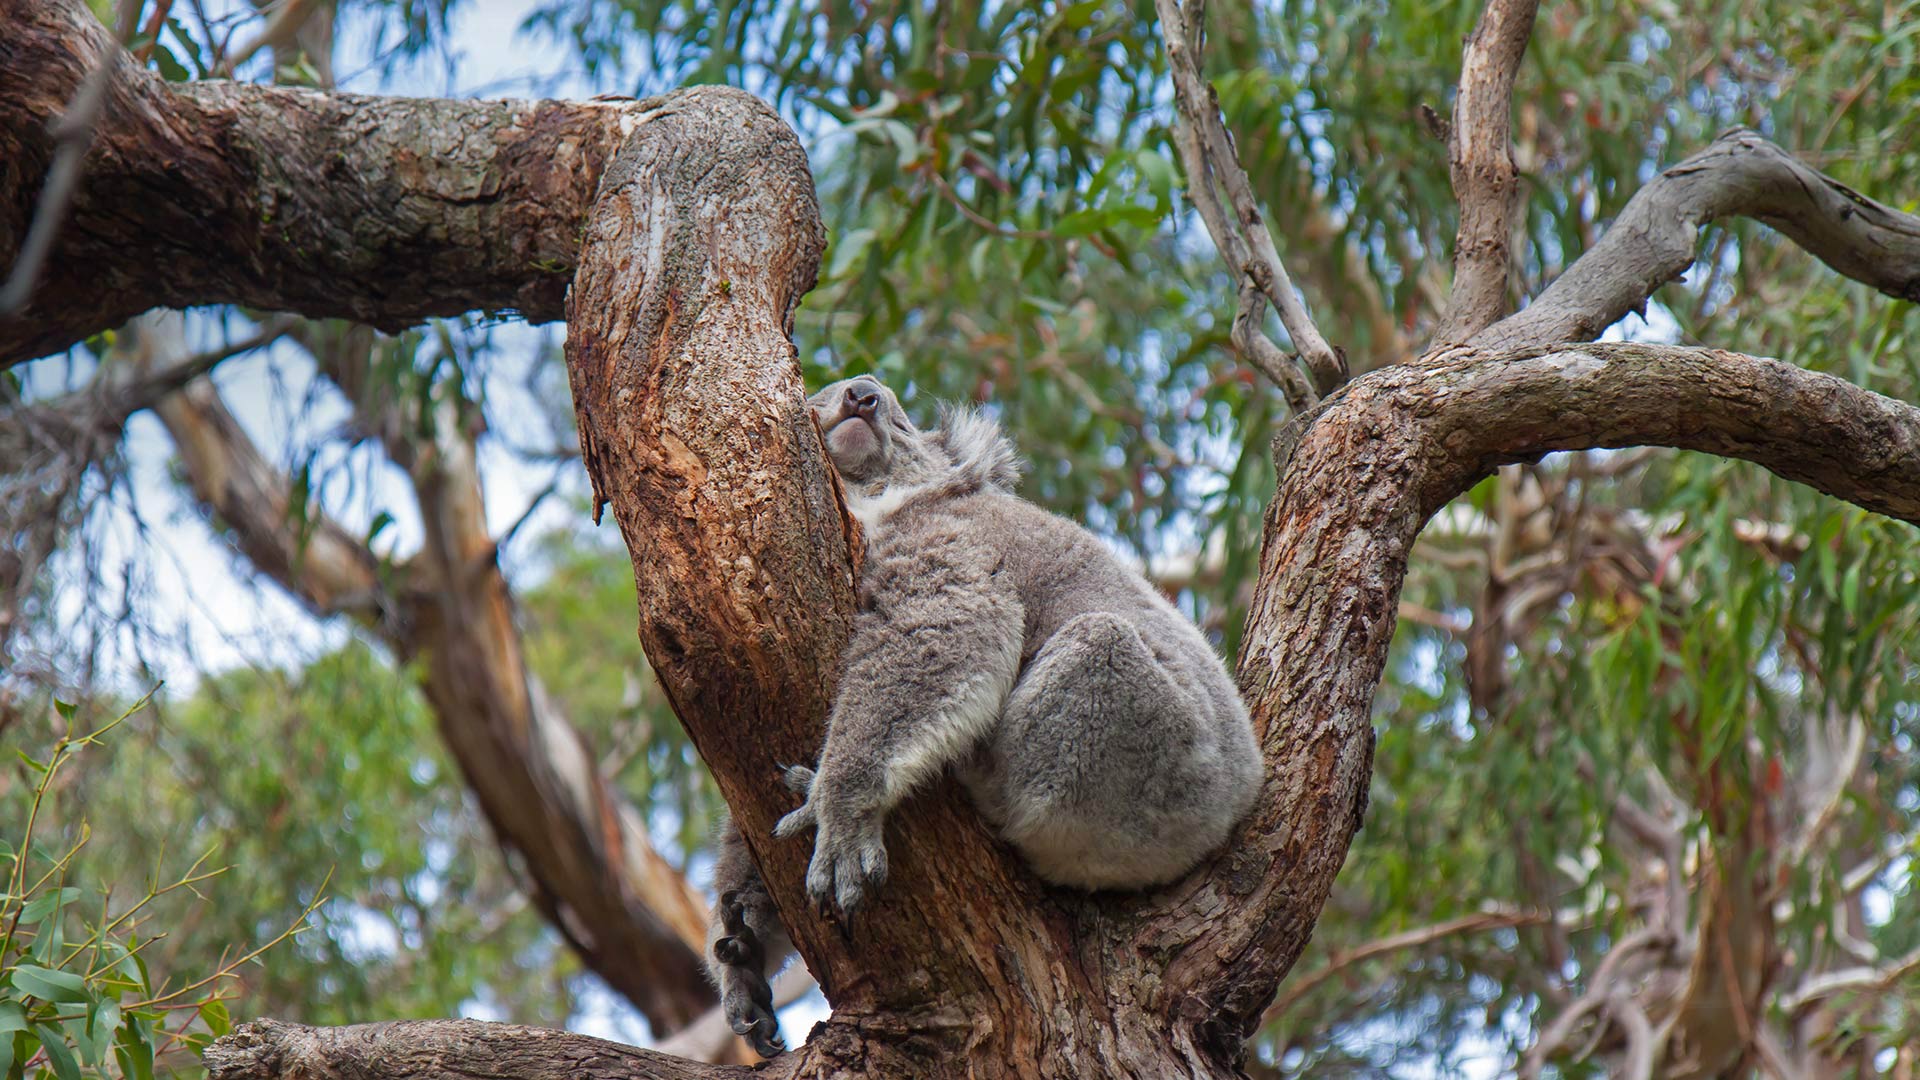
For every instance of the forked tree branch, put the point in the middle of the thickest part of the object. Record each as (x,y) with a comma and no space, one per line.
(1207,152)
(1360,477)
(1480,159)
(1652,241)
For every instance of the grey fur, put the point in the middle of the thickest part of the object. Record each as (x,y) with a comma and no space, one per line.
(1090,720)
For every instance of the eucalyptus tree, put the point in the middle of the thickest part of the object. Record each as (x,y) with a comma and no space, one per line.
(1679,685)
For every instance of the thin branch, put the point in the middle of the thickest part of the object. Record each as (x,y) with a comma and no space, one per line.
(1480,156)
(1652,241)
(1600,992)
(1302,985)
(1863,979)
(279,32)
(1206,150)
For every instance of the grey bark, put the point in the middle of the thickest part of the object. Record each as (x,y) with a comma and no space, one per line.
(1652,242)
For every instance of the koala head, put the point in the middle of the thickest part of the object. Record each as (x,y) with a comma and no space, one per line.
(869,437)
(875,447)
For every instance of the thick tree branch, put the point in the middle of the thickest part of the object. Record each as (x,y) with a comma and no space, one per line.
(1652,242)
(1360,478)
(383,210)
(1480,158)
(439,1050)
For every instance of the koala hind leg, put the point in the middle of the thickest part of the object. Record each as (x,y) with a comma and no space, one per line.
(746,944)
(1106,771)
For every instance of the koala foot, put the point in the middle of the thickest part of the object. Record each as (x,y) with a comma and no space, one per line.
(745,997)
(847,864)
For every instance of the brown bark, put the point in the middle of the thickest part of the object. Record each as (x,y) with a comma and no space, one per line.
(702,239)
(383,210)
(454,1049)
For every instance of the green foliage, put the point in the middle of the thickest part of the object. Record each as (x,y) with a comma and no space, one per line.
(330,790)
(1007,226)
(76,994)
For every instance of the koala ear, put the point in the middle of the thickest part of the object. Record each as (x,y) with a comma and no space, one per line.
(981,452)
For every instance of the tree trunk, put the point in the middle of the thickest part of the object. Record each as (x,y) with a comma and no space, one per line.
(702,239)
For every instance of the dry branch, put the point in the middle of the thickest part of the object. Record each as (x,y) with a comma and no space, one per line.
(1207,152)
(1480,157)
(629,914)
(1652,242)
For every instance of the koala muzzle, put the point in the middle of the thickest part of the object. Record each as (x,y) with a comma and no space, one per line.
(863,400)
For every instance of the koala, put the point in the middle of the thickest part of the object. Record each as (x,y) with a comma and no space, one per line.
(1090,721)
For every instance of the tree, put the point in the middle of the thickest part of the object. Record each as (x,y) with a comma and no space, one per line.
(699,244)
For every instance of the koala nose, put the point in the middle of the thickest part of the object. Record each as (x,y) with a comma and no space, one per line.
(863,400)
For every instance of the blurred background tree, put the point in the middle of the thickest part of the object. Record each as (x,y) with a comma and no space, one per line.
(1633,690)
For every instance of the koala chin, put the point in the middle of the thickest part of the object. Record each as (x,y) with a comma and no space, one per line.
(1090,721)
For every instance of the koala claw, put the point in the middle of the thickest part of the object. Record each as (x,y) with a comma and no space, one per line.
(761,1030)
(749,1011)
(845,867)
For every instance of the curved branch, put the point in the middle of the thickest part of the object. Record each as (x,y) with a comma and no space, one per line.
(1206,150)
(1485,180)
(281,199)
(1360,478)
(1652,242)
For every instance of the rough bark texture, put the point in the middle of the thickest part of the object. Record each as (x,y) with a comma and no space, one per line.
(383,210)
(1652,241)
(454,1049)
(702,239)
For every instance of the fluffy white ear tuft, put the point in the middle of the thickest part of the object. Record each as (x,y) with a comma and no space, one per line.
(981,452)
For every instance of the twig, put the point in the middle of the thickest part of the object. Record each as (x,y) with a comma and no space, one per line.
(1855,978)
(1480,156)
(1207,152)
(1599,993)
(1300,987)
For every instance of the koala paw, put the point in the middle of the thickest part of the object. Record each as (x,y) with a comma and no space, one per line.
(747,1001)
(848,862)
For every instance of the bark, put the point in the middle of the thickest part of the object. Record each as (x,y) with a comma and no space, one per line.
(702,239)
(383,210)
(1480,157)
(463,1049)
(629,913)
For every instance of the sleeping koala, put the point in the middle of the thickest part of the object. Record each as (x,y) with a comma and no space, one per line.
(1090,721)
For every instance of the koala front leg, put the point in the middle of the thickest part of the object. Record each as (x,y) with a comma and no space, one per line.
(928,667)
